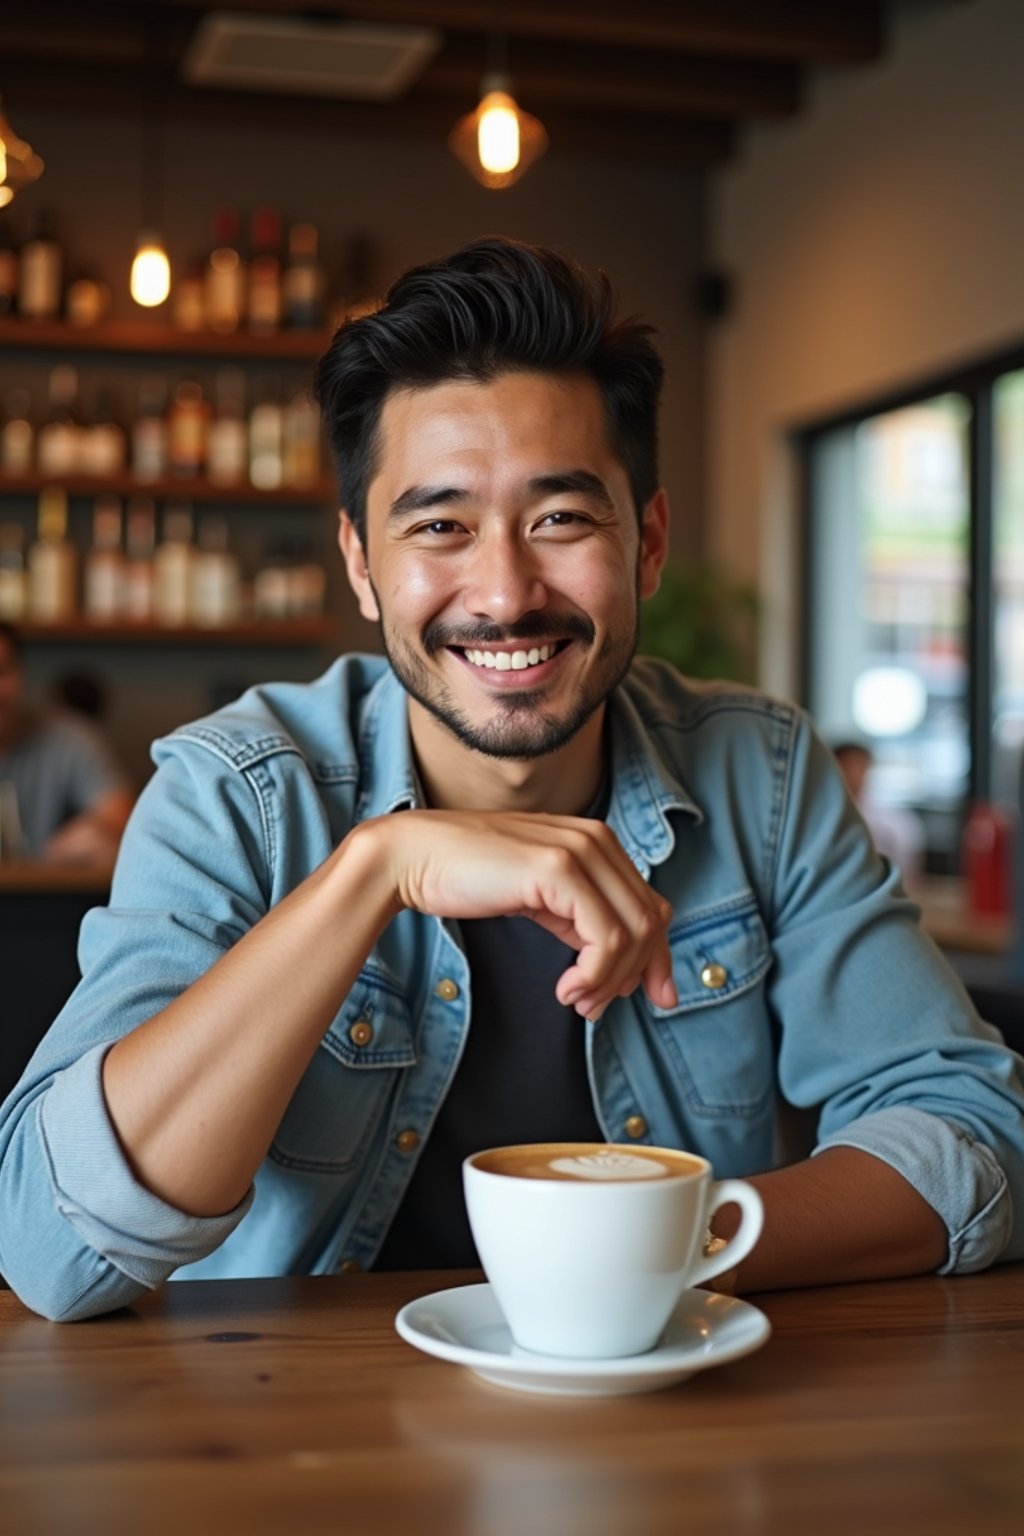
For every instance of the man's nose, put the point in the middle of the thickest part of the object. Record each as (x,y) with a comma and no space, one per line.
(504,580)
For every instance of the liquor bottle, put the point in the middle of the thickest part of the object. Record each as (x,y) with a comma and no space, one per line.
(303,280)
(301,448)
(103,443)
(174,568)
(187,423)
(59,447)
(149,433)
(264,285)
(52,563)
(190,298)
(13,581)
(87,301)
(8,270)
(103,582)
(227,443)
(17,437)
(266,439)
(39,280)
(140,539)
(225,275)
(307,584)
(216,590)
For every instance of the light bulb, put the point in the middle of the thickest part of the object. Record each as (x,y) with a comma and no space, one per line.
(151,272)
(497,133)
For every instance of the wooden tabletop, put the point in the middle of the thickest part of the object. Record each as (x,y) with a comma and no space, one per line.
(281,1406)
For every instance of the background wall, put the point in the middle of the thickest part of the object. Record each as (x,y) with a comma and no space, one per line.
(876,240)
(644,224)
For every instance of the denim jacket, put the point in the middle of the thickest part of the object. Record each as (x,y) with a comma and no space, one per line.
(804,982)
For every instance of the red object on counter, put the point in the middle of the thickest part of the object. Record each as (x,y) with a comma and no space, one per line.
(986,859)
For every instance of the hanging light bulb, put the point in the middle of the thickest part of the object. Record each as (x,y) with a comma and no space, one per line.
(19,163)
(499,141)
(151,271)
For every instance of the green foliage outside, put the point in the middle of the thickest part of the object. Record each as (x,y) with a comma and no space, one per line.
(703,622)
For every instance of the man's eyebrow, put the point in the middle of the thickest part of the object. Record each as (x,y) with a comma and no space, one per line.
(420,498)
(579,482)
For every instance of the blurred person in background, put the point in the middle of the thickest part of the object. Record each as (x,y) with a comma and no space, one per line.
(65,799)
(897,832)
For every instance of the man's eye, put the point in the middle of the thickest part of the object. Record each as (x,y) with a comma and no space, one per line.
(440,526)
(564,520)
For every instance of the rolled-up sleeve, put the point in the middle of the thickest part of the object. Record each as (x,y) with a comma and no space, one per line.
(878,1033)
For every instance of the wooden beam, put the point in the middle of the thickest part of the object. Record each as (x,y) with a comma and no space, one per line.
(804,31)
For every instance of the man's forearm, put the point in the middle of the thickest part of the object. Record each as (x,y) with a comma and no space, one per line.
(197,1092)
(841,1216)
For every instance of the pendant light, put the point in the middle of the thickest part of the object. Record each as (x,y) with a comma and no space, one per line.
(499,141)
(19,163)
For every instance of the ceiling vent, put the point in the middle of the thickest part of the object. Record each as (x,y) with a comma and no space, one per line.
(307,58)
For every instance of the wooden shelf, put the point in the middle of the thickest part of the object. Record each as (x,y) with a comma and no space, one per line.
(323,494)
(254,632)
(147,337)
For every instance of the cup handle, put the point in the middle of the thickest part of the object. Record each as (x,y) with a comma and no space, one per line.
(731,1192)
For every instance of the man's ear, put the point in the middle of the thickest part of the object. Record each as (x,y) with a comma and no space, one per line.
(351,546)
(653,543)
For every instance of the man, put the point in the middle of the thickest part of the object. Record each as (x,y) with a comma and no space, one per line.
(506,885)
(63,798)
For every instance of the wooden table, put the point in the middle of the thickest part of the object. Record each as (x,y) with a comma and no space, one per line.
(281,1406)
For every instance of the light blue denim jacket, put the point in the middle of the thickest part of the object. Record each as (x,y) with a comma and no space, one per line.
(832,1001)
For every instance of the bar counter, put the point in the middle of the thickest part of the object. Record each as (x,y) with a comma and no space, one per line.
(291,1405)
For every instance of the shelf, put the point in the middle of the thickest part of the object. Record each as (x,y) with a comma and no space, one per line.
(263,632)
(323,494)
(144,337)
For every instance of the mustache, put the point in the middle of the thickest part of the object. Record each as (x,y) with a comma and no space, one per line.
(532,626)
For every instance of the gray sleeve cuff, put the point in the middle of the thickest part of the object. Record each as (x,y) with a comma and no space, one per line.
(99,1196)
(957,1175)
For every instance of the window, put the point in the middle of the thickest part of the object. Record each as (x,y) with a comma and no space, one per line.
(914,598)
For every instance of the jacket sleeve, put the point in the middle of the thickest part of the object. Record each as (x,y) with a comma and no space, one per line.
(78,1234)
(877,1030)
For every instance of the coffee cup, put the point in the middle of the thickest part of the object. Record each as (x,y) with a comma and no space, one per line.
(588,1246)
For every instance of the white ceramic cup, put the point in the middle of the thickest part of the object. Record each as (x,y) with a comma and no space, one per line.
(589,1246)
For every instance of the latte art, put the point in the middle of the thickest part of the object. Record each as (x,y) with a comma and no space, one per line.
(610,1166)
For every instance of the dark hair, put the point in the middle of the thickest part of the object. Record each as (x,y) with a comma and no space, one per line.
(493,307)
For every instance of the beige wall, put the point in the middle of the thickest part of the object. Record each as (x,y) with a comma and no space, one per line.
(876,240)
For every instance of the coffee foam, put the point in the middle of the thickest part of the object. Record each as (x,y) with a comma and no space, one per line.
(610,1166)
(587,1162)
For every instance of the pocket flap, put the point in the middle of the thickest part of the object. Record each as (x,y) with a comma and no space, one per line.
(373,1027)
(716,953)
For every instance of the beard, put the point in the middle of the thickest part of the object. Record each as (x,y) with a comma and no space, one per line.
(521,726)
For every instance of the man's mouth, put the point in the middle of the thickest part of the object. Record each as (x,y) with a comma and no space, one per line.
(518,660)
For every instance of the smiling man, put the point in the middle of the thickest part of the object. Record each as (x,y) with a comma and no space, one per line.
(506,884)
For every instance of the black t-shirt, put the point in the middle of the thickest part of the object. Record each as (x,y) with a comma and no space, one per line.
(522,1077)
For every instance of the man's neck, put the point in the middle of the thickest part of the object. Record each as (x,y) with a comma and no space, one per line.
(456,778)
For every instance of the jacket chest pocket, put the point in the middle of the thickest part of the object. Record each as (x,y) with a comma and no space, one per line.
(718,1041)
(344,1091)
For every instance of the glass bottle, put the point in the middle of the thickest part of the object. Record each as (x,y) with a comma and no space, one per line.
(303,279)
(149,433)
(264,285)
(140,540)
(40,277)
(17,438)
(59,447)
(228,439)
(103,442)
(104,571)
(224,294)
(187,422)
(13,581)
(266,439)
(216,591)
(52,563)
(301,450)
(173,569)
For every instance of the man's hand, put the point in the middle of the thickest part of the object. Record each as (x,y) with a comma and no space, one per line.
(567,873)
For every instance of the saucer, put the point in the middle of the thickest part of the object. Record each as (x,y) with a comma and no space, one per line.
(467,1326)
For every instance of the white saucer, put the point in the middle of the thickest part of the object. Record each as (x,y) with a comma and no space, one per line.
(467,1326)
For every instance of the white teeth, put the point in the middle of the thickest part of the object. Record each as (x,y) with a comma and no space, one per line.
(514,661)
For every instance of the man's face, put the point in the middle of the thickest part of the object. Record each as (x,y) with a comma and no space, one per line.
(504,557)
(10,690)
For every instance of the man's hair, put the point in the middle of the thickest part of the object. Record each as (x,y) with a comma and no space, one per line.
(494,307)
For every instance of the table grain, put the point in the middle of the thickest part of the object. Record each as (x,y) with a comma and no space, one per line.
(291,1405)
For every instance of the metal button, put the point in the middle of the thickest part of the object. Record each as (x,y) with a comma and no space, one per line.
(714,976)
(361,1032)
(350,1267)
(635,1127)
(407,1141)
(447,989)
